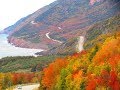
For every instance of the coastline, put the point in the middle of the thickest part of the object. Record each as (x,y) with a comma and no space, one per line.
(8,49)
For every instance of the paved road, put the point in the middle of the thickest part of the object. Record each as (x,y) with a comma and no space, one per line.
(80,43)
(28,87)
(47,35)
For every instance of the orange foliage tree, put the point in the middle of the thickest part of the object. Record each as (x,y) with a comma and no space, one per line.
(51,72)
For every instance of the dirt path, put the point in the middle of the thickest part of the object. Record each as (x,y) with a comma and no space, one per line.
(28,87)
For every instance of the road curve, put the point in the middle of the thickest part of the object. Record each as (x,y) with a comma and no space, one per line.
(47,35)
(28,87)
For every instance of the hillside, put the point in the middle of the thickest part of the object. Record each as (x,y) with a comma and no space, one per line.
(63,19)
(94,69)
(9,29)
(93,37)
(82,43)
(97,34)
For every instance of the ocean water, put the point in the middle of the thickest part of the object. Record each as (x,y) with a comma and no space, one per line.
(7,49)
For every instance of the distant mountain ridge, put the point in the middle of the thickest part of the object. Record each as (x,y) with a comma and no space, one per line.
(9,29)
(63,19)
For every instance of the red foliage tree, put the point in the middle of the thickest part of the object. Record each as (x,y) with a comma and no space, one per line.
(113,82)
(52,71)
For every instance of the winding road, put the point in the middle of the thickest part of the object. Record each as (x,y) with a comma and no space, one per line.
(47,35)
(80,41)
(33,22)
(28,87)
